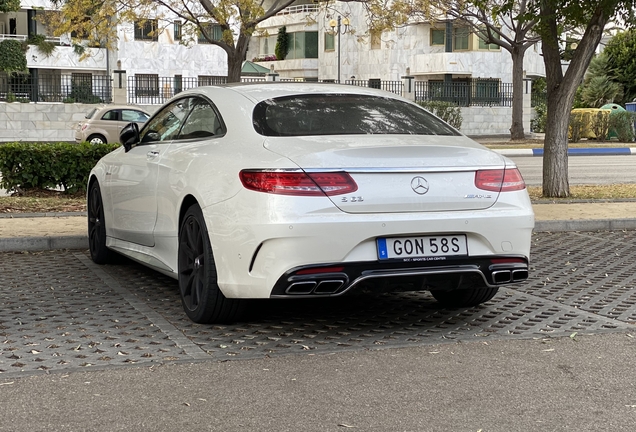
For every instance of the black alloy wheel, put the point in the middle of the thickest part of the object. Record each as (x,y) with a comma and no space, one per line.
(201,297)
(100,254)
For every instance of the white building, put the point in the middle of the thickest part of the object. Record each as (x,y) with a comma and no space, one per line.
(158,62)
(421,49)
(148,53)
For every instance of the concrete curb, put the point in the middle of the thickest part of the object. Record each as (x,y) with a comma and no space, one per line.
(38,215)
(615,151)
(33,244)
(585,225)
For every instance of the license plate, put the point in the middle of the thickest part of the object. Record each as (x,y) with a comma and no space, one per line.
(424,248)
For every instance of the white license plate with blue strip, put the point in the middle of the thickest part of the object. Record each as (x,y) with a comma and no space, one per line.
(422,248)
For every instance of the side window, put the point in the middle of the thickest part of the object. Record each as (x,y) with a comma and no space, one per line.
(111,115)
(167,123)
(133,116)
(202,122)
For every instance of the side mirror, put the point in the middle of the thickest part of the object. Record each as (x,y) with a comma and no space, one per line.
(129,135)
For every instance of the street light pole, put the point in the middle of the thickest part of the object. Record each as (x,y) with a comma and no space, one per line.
(338,49)
(336,26)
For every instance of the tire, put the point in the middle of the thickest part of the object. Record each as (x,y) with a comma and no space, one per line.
(96,139)
(201,297)
(100,254)
(465,297)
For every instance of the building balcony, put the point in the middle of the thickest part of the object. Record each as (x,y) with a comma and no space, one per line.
(463,64)
(293,68)
(458,63)
(303,15)
(64,57)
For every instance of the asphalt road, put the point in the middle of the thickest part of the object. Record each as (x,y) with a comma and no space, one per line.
(583,169)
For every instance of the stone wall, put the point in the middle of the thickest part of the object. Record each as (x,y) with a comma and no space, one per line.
(46,121)
(480,121)
(42,121)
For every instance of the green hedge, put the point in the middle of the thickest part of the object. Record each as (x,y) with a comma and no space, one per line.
(49,165)
(447,111)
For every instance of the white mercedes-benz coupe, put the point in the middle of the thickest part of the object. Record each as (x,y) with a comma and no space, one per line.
(281,190)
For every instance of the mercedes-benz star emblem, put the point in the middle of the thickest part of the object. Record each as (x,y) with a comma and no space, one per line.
(419,185)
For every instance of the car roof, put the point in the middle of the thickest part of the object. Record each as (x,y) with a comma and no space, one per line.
(258,92)
(115,106)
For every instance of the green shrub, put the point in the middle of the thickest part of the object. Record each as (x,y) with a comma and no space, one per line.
(601,125)
(282,44)
(447,111)
(49,165)
(622,124)
(43,46)
(11,97)
(537,124)
(82,92)
(577,122)
(13,57)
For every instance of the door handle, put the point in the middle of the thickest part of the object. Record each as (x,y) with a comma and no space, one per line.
(152,154)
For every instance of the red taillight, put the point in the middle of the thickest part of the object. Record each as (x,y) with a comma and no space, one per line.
(507,260)
(500,180)
(298,183)
(320,270)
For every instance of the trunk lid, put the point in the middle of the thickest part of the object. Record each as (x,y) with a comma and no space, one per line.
(398,173)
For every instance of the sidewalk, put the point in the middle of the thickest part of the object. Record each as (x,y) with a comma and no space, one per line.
(32,232)
(490,386)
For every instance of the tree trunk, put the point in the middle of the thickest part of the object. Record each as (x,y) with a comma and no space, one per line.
(235,58)
(234,65)
(561,89)
(516,130)
(555,147)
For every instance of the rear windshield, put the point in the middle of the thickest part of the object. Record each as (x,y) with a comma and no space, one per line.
(344,114)
(91,113)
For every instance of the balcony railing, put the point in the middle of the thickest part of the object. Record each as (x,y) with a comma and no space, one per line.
(22,38)
(306,8)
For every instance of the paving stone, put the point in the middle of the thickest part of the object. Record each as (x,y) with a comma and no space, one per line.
(61,312)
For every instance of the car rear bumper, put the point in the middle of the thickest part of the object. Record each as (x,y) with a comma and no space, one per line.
(257,252)
(336,279)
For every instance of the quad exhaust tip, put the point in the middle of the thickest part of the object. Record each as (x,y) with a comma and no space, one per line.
(508,276)
(328,286)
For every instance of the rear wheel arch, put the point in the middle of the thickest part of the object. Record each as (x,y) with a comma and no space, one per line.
(99,136)
(91,180)
(201,297)
(100,254)
(187,202)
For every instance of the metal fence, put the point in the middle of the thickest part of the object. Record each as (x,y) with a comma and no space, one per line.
(77,87)
(476,92)
(390,86)
(150,89)
(539,98)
